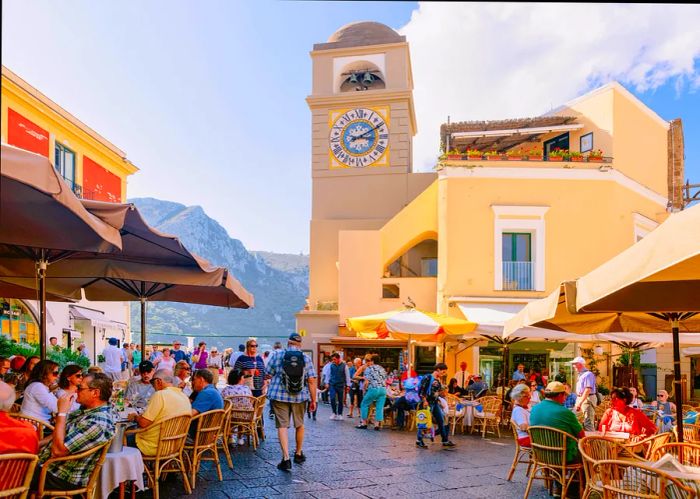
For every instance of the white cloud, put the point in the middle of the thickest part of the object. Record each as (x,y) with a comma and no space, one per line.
(491,61)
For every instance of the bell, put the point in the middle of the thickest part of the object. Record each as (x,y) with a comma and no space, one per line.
(353,78)
(367,79)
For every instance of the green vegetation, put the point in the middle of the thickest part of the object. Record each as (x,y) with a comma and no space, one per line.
(62,356)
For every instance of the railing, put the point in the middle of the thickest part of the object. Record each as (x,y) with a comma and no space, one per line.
(75,187)
(518,276)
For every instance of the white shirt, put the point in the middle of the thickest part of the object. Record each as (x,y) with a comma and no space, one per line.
(534,398)
(462,378)
(326,373)
(520,416)
(39,402)
(443,406)
(234,358)
(164,363)
(214,361)
(113,359)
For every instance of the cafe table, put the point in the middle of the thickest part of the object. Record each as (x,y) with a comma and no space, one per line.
(119,468)
(614,435)
(469,406)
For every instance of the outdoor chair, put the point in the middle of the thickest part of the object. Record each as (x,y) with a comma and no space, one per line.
(172,433)
(549,459)
(522,454)
(208,429)
(454,416)
(646,447)
(260,416)
(16,471)
(16,408)
(687,453)
(634,479)
(222,442)
(691,433)
(594,449)
(43,429)
(490,417)
(243,418)
(95,456)
(410,420)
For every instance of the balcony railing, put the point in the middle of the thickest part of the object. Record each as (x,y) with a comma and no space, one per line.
(75,187)
(518,276)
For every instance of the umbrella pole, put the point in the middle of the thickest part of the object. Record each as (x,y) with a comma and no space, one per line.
(41,271)
(677,382)
(505,371)
(143,327)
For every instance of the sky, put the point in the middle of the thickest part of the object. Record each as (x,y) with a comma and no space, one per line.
(207,97)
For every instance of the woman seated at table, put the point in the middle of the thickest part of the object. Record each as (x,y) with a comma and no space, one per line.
(621,417)
(236,386)
(68,383)
(667,411)
(38,401)
(520,395)
(454,389)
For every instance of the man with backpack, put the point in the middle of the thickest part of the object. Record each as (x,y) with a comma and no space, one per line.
(429,392)
(293,384)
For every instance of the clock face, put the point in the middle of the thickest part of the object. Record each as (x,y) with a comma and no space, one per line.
(359,137)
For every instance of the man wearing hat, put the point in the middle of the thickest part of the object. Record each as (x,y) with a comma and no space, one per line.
(478,387)
(586,389)
(113,359)
(139,389)
(176,353)
(291,387)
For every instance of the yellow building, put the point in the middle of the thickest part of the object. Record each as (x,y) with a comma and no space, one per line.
(478,237)
(95,169)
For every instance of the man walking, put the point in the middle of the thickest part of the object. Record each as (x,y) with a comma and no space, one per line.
(113,360)
(293,384)
(429,390)
(338,380)
(586,390)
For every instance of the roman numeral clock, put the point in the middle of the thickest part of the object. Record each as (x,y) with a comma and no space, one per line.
(359,137)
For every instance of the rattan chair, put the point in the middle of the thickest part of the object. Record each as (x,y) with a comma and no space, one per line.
(647,446)
(16,471)
(549,458)
(490,416)
(686,452)
(42,428)
(204,447)
(522,454)
(454,416)
(594,449)
(634,479)
(260,416)
(172,433)
(96,455)
(243,419)
(222,442)
(691,433)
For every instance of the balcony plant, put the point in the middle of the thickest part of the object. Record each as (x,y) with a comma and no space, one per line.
(454,154)
(595,156)
(515,154)
(557,154)
(534,154)
(493,155)
(575,156)
(474,154)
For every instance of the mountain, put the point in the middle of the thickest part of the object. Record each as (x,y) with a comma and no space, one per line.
(279,282)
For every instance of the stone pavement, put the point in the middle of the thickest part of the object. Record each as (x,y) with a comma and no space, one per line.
(344,462)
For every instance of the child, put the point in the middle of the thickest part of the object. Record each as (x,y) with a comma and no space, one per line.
(424,423)
(310,414)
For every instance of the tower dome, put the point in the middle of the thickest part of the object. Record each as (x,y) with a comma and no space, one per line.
(360,34)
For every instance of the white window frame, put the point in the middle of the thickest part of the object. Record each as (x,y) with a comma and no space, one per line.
(528,219)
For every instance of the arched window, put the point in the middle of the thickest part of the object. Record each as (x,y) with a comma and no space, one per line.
(419,261)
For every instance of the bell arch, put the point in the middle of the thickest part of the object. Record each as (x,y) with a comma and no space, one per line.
(359,75)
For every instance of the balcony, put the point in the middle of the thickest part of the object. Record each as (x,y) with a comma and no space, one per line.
(517,276)
(75,187)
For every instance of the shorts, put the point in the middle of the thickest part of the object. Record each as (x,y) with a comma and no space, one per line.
(284,410)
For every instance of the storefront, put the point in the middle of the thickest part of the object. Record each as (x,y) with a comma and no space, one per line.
(391,352)
(17,322)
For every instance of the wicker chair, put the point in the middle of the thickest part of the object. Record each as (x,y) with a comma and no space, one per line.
(633,479)
(647,446)
(522,454)
(243,419)
(691,433)
(172,433)
(686,453)
(490,416)
(260,416)
(208,429)
(594,449)
(222,442)
(42,428)
(16,471)
(96,454)
(453,415)
(549,458)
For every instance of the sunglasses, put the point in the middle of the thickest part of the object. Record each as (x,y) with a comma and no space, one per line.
(253,346)
(81,388)
(661,395)
(56,373)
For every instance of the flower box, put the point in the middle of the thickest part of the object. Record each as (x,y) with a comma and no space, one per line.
(555,158)
(495,157)
(595,159)
(474,156)
(453,157)
(576,158)
(515,158)
(532,157)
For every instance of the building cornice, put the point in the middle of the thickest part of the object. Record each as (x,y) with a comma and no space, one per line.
(367,49)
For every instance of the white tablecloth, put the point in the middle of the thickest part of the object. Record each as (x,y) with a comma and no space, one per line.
(469,406)
(120,467)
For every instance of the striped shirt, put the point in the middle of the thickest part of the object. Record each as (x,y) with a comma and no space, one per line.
(276,390)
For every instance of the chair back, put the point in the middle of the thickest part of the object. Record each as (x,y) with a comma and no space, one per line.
(93,457)
(98,454)
(514,428)
(260,406)
(633,479)
(16,471)
(650,444)
(595,449)
(243,409)
(208,427)
(491,405)
(691,433)
(548,445)
(687,453)
(172,436)
(42,428)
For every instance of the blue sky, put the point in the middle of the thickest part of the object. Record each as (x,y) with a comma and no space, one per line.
(207,97)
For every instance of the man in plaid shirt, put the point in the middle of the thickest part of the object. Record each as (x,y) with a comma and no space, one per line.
(91,425)
(285,404)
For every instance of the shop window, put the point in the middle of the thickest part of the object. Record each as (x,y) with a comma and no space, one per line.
(390,291)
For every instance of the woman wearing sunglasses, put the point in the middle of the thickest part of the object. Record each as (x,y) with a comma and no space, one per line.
(68,382)
(253,367)
(38,401)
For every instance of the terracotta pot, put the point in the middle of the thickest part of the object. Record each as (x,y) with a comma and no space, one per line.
(534,158)
(576,158)
(515,158)
(474,157)
(453,157)
(595,160)
(555,158)
(494,158)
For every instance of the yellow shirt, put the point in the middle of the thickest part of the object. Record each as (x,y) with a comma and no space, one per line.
(164,404)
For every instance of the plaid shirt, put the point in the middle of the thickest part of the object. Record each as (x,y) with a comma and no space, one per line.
(84,430)
(276,390)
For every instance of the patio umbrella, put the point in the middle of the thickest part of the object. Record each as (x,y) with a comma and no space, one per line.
(408,324)
(151,266)
(652,286)
(42,221)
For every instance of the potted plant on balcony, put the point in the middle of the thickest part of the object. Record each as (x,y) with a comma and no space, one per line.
(515,154)
(557,154)
(474,154)
(454,154)
(493,155)
(595,156)
(534,154)
(575,156)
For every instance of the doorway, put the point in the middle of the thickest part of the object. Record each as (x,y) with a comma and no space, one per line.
(558,142)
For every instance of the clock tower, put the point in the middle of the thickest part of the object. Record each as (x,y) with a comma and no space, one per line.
(362,128)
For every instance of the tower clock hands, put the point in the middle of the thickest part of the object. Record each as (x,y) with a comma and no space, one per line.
(364,135)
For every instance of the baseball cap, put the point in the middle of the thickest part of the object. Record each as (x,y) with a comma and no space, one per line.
(578,360)
(112,341)
(296,337)
(146,366)
(555,387)
(477,375)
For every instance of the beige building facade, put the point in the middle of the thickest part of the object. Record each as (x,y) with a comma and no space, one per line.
(481,235)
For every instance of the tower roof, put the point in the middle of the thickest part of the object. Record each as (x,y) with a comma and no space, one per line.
(360,34)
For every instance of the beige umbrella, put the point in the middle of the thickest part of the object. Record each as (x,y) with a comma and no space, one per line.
(652,286)
(42,222)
